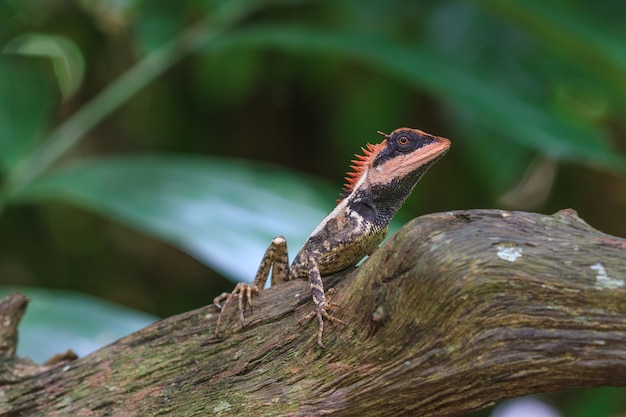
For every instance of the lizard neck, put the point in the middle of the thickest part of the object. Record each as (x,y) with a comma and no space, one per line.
(378,203)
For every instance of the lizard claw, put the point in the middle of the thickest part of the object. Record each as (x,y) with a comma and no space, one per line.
(240,291)
(321,314)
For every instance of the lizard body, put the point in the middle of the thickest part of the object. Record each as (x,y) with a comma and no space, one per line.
(377,187)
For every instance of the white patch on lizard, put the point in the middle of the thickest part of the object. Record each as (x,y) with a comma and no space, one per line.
(509,253)
(341,206)
(603,281)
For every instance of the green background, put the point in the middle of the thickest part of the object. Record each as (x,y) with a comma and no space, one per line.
(150,150)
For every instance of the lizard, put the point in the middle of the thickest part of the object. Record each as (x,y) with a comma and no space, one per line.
(380,181)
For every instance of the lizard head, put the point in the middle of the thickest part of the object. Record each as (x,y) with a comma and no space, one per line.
(401,158)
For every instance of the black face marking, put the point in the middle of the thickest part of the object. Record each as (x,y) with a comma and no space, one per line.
(402,141)
(365,209)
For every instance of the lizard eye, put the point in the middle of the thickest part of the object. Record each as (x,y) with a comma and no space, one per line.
(403,141)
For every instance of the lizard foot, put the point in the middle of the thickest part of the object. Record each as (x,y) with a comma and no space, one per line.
(321,314)
(240,291)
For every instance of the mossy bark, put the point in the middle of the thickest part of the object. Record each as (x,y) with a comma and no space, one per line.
(455,312)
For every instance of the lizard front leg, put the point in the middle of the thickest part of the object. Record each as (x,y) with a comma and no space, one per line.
(319,299)
(276,257)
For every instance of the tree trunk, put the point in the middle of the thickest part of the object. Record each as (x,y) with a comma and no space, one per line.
(455,312)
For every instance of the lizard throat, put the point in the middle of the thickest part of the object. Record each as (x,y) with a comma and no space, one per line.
(378,203)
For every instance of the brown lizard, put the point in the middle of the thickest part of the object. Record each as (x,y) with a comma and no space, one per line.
(381,180)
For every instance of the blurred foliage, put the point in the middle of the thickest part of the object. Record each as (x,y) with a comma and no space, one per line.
(136,133)
(81,323)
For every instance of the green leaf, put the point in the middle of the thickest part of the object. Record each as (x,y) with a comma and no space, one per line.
(508,115)
(66,58)
(223,212)
(27,98)
(56,321)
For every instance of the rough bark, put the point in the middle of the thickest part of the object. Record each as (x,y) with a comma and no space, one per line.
(455,312)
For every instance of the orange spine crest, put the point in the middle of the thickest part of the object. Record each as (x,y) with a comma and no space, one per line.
(359,166)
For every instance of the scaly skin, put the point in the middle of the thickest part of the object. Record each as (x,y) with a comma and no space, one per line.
(381,181)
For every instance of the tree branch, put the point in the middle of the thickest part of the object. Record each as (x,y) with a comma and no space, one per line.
(455,312)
